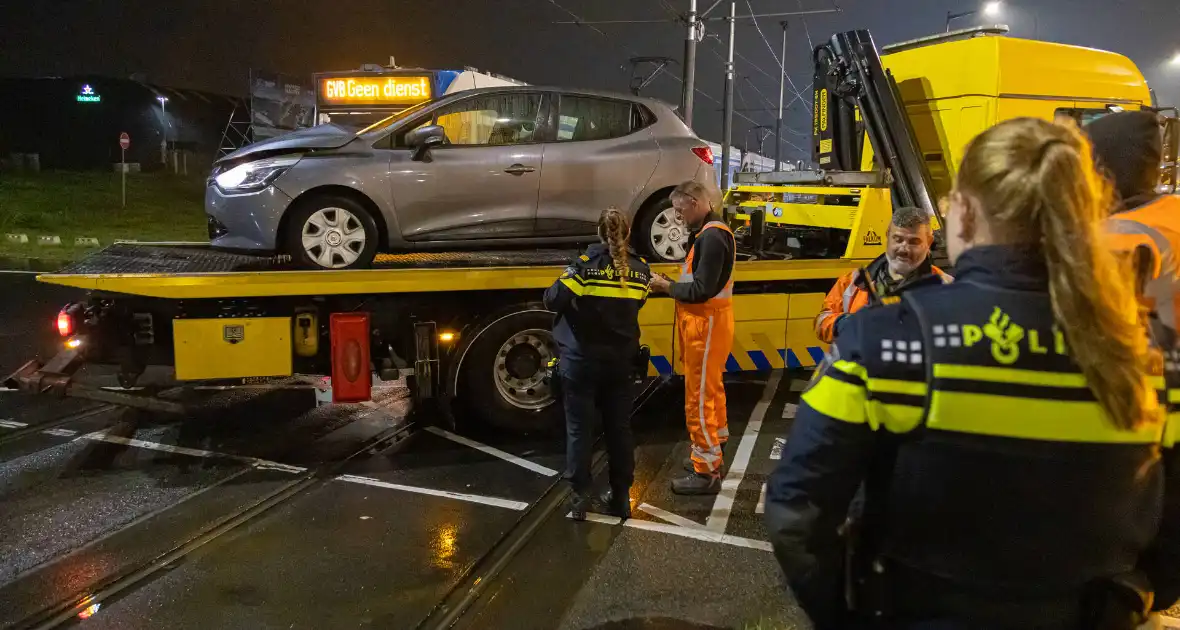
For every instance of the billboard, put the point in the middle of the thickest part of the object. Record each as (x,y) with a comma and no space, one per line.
(369,90)
(279,103)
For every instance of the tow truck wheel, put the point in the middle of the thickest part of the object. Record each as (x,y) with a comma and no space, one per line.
(331,232)
(659,232)
(504,378)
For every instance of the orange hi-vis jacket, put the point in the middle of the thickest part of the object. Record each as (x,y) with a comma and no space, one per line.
(1154,227)
(851,294)
(706,338)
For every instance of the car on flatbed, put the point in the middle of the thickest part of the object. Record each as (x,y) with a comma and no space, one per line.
(496,167)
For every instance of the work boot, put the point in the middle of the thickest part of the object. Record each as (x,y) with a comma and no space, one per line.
(697,484)
(579,505)
(620,507)
(688,467)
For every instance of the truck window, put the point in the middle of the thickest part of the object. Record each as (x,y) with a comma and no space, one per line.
(584,118)
(491,120)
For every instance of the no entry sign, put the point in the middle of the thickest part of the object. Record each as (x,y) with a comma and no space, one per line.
(124,140)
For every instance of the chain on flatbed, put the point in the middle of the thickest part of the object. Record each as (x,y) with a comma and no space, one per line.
(136,258)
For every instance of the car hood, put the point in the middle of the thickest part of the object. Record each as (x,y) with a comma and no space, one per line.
(329,136)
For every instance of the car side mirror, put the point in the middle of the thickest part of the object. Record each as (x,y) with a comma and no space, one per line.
(422,139)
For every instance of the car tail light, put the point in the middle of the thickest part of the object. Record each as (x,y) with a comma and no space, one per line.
(705,153)
(352,374)
(65,323)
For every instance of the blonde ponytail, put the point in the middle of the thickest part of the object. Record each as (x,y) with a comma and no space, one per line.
(614,231)
(1037,187)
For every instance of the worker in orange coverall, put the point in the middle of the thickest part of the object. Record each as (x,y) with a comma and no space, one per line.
(704,324)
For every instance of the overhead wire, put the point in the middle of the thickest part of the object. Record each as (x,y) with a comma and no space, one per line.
(581,22)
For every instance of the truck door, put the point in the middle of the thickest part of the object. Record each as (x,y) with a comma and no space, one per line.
(602,156)
(483,182)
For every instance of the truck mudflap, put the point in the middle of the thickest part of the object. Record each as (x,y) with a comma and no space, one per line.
(55,378)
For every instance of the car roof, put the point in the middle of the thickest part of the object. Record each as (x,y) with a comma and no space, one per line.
(651,102)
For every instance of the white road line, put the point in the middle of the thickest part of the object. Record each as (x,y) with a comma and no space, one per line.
(776,450)
(789,410)
(21,271)
(60,432)
(761,507)
(101,436)
(471,498)
(494,452)
(798,385)
(665,515)
(8,390)
(9,423)
(686,532)
(723,504)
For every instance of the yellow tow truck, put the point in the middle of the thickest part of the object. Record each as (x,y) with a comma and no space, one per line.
(889,130)
(467,329)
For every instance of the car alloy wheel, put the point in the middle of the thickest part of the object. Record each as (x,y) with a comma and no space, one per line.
(669,235)
(333,237)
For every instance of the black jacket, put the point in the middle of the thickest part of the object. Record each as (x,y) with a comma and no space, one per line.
(995,486)
(597,315)
(712,265)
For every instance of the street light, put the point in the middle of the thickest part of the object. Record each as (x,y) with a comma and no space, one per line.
(1175,62)
(990,9)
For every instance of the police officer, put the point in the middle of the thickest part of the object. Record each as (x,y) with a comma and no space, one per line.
(597,301)
(1011,442)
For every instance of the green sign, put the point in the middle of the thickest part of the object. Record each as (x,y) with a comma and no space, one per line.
(88,95)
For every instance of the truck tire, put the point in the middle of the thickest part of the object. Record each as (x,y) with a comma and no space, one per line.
(331,232)
(504,374)
(658,232)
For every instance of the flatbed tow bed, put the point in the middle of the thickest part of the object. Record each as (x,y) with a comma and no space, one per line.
(464,328)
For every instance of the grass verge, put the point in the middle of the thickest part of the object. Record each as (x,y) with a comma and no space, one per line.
(160,207)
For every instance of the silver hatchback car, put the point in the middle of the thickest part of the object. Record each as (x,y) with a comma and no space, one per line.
(503,167)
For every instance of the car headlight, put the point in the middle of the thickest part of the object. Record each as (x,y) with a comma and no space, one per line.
(254,176)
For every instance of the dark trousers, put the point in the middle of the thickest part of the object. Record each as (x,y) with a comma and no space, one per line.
(594,392)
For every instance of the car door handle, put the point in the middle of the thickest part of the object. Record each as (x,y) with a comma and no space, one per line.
(519,169)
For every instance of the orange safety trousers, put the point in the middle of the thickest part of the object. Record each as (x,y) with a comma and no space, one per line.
(705,333)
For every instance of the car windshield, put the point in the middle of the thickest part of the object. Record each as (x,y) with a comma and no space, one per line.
(386,123)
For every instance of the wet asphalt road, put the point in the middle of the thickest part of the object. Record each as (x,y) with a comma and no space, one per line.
(358,535)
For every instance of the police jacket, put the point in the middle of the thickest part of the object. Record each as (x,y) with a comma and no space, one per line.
(995,487)
(597,315)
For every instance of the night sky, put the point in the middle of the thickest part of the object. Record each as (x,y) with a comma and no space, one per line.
(212,44)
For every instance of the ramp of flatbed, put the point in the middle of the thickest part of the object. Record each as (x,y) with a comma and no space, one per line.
(201,272)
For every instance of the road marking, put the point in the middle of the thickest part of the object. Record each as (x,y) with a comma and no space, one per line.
(494,452)
(287,468)
(761,507)
(776,449)
(798,385)
(723,504)
(471,498)
(665,515)
(7,390)
(789,410)
(101,436)
(697,533)
(21,271)
(60,432)
(9,423)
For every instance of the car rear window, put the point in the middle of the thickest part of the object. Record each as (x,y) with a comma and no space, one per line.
(582,118)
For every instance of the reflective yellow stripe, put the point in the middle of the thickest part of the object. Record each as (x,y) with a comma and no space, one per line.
(1031,419)
(615,283)
(604,290)
(1174,395)
(1171,430)
(894,386)
(894,418)
(852,369)
(837,399)
(1009,375)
